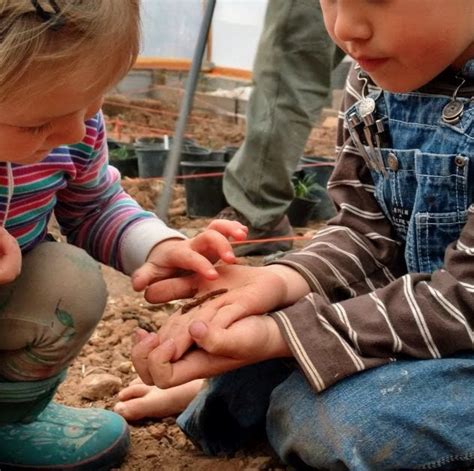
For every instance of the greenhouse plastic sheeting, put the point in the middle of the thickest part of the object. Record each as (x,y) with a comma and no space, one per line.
(171,27)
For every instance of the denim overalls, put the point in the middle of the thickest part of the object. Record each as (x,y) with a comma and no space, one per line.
(429,180)
(409,414)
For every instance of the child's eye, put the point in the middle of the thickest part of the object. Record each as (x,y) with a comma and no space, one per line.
(36,129)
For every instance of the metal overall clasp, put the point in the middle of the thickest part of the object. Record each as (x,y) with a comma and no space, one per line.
(453,111)
(368,130)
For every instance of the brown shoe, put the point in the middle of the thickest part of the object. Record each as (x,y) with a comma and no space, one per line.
(280,229)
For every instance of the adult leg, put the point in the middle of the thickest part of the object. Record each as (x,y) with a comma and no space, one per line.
(46,316)
(292,71)
(405,415)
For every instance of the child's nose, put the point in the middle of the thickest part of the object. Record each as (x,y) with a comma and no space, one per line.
(351,25)
(68,130)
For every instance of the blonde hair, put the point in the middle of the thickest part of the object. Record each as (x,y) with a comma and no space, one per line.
(101,33)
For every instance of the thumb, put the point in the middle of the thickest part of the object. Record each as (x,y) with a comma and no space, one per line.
(146,274)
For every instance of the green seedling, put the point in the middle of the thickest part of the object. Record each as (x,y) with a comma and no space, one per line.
(305,185)
(120,153)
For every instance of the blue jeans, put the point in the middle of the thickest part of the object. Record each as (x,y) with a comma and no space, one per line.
(410,414)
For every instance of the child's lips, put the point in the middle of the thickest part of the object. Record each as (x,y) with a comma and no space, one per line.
(370,64)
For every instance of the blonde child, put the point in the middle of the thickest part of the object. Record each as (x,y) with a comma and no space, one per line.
(57,59)
(365,360)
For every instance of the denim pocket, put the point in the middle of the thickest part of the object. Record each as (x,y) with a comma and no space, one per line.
(426,197)
(434,232)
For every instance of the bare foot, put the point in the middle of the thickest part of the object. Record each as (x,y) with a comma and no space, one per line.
(139,400)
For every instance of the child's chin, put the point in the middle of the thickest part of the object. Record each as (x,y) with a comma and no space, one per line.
(39,156)
(398,86)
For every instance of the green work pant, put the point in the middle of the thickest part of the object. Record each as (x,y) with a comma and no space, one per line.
(292,83)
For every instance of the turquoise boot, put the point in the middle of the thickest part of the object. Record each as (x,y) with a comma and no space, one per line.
(49,436)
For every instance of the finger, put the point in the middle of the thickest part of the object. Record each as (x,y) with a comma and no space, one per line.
(140,354)
(176,328)
(230,229)
(218,341)
(139,335)
(10,257)
(161,368)
(192,259)
(229,314)
(214,245)
(171,289)
(146,274)
(196,364)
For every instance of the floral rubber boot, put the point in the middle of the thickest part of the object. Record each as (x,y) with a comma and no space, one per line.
(36,434)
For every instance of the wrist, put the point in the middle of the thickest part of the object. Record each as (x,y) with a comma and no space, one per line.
(279,347)
(163,244)
(296,286)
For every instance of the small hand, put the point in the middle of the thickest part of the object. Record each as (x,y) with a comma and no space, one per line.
(250,340)
(162,273)
(10,257)
(251,290)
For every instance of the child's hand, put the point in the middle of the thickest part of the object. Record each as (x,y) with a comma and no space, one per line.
(250,340)
(251,290)
(10,257)
(172,258)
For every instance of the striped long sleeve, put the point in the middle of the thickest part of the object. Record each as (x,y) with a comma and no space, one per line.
(95,213)
(365,309)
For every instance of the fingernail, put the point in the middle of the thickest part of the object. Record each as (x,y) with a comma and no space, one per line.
(198,329)
(150,338)
(137,335)
(211,272)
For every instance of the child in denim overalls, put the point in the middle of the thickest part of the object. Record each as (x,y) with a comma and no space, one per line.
(378,310)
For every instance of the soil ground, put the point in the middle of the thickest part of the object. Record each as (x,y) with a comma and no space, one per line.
(159,444)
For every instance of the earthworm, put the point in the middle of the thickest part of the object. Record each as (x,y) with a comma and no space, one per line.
(201,299)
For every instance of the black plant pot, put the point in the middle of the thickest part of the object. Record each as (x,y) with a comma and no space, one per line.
(218,155)
(321,173)
(230,151)
(299,211)
(151,161)
(195,154)
(127,165)
(204,195)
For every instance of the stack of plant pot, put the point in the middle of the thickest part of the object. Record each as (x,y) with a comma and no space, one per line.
(152,154)
(204,195)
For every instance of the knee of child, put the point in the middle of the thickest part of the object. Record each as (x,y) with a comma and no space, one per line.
(339,425)
(67,277)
